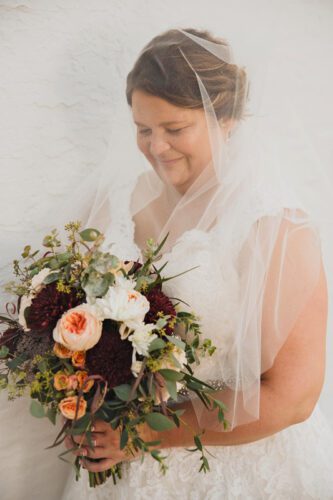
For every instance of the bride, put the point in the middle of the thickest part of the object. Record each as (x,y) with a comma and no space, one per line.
(219,186)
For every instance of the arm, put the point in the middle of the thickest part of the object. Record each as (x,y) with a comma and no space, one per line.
(289,392)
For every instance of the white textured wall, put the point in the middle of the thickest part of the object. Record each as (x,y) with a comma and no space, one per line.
(63,65)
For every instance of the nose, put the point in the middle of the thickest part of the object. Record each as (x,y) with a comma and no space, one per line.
(158,145)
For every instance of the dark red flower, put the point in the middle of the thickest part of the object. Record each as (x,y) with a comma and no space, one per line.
(48,306)
(111,357)
(159,303)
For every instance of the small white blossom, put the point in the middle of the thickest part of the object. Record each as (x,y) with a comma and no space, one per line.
(142,337)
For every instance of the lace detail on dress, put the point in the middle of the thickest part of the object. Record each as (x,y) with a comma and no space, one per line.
(294,464)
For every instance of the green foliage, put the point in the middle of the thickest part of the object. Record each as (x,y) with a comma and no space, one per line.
(156,344)
(4,351)
(3,381)
(177,342)
(89,234)
(123,391)
(172,375)
(14,363)
(159,422)
(36,409)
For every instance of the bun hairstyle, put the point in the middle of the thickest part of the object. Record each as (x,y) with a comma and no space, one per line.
(161,70)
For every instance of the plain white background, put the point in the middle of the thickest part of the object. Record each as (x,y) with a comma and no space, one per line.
(63,66)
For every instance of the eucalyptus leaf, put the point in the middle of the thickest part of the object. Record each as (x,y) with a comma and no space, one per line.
(177,342)
(26,251)
(4,351)
(156,344)
(161,323)
(144,282)
(172,389)
(103,262)
(123,439)
(51,278)
(51,414)
(159,422)
(97,285)
(173,375)
(198,443)
(123,391)
(16,362)
(89,234)
(36,409)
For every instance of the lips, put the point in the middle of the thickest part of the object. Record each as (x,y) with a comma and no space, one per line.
(172,160)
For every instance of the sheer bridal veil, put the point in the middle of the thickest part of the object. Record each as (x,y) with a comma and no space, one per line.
(271,229)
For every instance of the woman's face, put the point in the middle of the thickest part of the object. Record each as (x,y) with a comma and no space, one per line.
(174,140)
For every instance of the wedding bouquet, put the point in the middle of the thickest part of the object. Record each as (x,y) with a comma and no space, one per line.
(94,337)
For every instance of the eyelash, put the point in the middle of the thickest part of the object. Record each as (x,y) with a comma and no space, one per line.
(171,131)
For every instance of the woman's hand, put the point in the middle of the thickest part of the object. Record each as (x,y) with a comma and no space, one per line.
(106,447)
(106,442)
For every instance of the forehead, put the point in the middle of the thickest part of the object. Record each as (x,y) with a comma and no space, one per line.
(147,108)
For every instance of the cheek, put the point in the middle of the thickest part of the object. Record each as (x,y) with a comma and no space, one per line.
(144,148)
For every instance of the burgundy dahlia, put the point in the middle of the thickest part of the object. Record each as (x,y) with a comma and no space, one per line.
(48,306)
(159,303)
(111,357)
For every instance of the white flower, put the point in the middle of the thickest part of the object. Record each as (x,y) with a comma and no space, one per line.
(169,363)
(136,367)
(123,303)
(180,356)
(36,286)
(79,328)
(142,337)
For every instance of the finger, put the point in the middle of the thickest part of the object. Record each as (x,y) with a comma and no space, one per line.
(73,447)
(98,452)
(100,466)
(100,426)
(96,439)
(68,442)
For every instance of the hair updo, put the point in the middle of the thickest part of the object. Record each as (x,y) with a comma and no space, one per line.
(162,71)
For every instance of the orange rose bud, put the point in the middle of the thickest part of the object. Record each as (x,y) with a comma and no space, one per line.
(79,359)
(62,351)
(68,407)
(60,381)
(83,383)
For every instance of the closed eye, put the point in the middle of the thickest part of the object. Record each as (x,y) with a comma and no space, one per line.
(144,131)
(175,130)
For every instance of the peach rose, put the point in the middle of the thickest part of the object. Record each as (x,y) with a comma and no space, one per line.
(61,351)
(79,359)
(68,407)
(83,384)
(79,328)
(60,381)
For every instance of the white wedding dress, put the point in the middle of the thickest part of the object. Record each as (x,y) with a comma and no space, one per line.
(294,464)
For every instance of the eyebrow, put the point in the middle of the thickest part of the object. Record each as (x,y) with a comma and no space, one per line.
(162,123)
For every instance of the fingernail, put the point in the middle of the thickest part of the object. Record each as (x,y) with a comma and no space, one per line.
(92,428)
